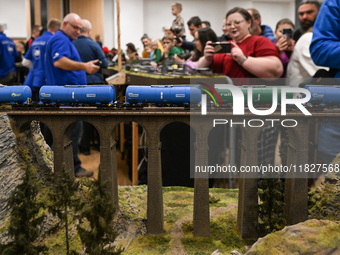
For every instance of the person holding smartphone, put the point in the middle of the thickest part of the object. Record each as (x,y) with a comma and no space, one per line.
(284,42)
(201,36)
(251,55)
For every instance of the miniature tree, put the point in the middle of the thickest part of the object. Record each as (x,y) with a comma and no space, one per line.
(64,200)
(97,232)
(270,210)
(25,219)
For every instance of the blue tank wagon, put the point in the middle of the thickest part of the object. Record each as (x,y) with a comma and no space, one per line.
(15,94)
(82,94)
(163,95)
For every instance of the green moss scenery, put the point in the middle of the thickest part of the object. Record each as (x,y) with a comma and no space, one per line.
(178,209)
(309,237)
(224,236)
(131,220)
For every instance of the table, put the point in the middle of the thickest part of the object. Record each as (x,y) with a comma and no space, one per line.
(141,78)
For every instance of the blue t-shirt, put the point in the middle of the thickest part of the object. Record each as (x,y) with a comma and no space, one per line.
(36,53)
(59,46)
(8,53)
(90,50)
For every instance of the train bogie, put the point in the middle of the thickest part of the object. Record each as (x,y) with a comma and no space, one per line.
(15,94)
(163,95)
(88,95)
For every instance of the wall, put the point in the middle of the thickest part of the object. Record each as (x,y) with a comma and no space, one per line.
(131,23)
(91,10)
(54,9)
(110,25)
(13,13)
(150,16)
(142,16)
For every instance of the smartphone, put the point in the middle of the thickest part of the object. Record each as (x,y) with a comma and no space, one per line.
(221,47)
(181,56)
(287,33)
(99,63)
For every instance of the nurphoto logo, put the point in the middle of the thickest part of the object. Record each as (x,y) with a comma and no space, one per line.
(238,101)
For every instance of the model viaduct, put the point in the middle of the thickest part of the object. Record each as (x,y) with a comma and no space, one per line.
(153,121)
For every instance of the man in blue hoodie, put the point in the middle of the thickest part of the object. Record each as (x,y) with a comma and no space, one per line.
(325,49)
(257,28)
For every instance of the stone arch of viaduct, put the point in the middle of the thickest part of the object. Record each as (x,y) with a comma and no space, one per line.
(60,125)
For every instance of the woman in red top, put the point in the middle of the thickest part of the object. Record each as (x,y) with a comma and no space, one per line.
(251,55)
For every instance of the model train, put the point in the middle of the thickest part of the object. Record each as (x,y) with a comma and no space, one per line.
(103,95)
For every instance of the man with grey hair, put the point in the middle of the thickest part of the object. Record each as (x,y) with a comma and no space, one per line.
(90,50)
(8,54)
(63,66)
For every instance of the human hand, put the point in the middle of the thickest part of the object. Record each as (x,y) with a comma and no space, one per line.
(178,59)
(291,44)
(209,51)
(236,53)
(91,67)
(179,41)
(281,44)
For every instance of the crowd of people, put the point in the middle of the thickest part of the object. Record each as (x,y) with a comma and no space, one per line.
(257,51)
(65,54)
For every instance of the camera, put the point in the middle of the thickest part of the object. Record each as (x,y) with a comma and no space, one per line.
(178,40)
(287,33)
(176,31)
(221,47)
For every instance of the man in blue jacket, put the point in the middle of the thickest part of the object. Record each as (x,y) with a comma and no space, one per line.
(325,49)
(257,28)
(64,67)
(35,58)
(90,50)
(8,54)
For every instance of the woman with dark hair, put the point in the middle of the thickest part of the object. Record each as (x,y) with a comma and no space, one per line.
(131,52)
(202,36)
(251,55)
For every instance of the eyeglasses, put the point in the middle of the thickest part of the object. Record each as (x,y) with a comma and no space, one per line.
(236,23)
(196,39)
(166,42)
(74,27)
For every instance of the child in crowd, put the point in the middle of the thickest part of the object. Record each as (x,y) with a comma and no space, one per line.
(169,47)
(149,50)
(178,23)
(157,51)
(283,45)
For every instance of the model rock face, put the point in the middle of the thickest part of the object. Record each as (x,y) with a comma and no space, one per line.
(10,171)
(10,164)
